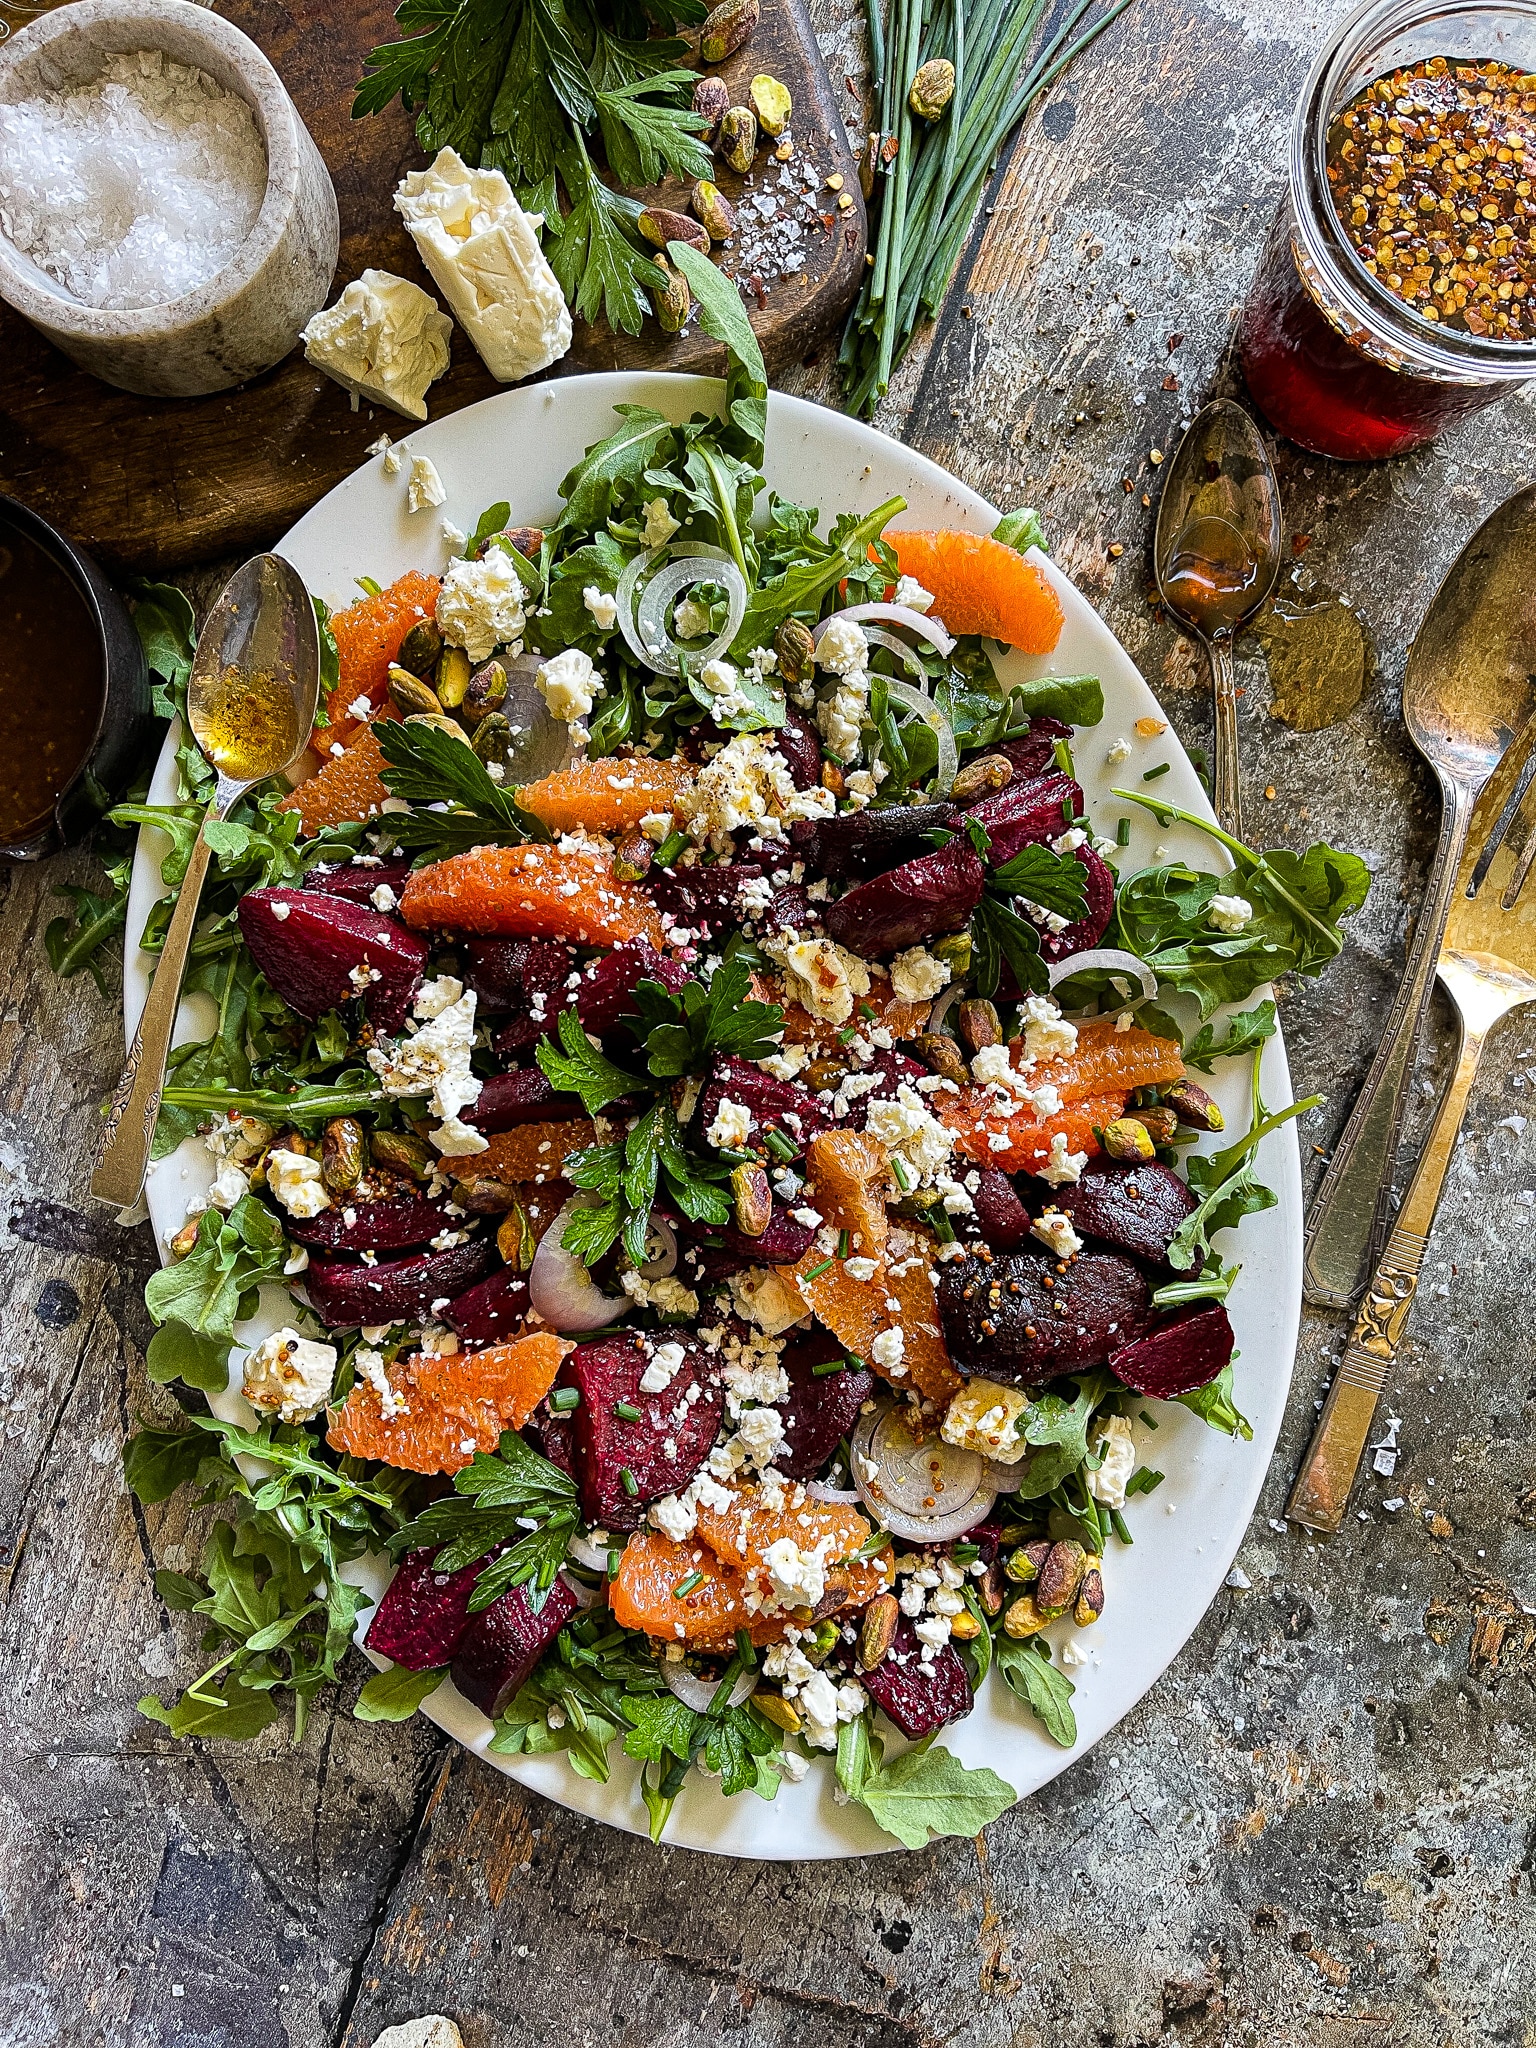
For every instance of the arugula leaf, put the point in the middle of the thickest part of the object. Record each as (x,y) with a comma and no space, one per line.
(232,1710)
(612,469)
(1075,700)
(191,1356)
(583,1068)
(1244,1033)
(1214,1405)
(722,315)
(167,628)
(1020,530)
(801,587)
(1055,881)
(930,1792)
(395,1694)
(600,562)
(1028,1671)
(1227,1186)
(214,1287)
(88,936)
(426,766)
(1059,1431)
(156,1462)
(860,1753)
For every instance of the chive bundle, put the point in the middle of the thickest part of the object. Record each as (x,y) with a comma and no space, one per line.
(931,181)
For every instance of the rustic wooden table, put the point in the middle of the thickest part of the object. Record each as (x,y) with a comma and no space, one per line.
(1318,1828)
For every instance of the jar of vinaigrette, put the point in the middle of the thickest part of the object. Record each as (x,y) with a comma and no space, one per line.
(1397,288)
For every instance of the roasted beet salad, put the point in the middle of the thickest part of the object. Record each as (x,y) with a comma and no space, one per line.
(727,1134)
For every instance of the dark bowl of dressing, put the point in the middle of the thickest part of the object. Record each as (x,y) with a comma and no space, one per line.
(74,689)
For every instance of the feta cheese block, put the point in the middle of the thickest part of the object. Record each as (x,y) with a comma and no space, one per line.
(385,340)
(484,255)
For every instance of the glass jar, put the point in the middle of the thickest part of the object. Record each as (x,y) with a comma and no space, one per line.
(1335,359)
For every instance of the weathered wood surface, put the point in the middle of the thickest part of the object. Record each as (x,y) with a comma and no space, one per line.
(1316,1830)
(155,484)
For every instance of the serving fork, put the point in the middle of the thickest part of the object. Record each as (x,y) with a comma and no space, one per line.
(1487,966)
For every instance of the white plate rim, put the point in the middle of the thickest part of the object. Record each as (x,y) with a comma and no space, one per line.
(805,1822)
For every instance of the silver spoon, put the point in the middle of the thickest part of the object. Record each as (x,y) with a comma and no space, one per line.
(1216,553)
(251,702)
(1466,691)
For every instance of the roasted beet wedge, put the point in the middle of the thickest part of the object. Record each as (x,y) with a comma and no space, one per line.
(1132,1206)
(552,1433)
(781,1243)
(864,843)
(888,1072)
(606,998)
(344,1292)
(423,1613)
(700,898)
(1001,1217)
(491,1312)
(920,1698)
(522,980)
(1088,929)
(797,741)
(397,1225)
(1024,1318)
(662,1451)
(501,1644)
(821,1408)
(922,900)
(507,1100)
(360,884)
(1027,813)
(1036,751)
(311,946)
(1178,1357)
(783,1106)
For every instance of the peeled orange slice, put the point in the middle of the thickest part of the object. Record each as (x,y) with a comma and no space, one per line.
(705,1617)
(368,638)
(975,1119)
(980,585)
(740,1536)
(348,786)
(531,892)
(448,1408)
(534,1152)
(605,796)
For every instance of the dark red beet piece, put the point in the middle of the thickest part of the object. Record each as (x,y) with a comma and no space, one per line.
(308,946)
(1036,751)
(783,1106)
(919,901)
(1001,1217)
(1027,813)
(606,997)
(608,1372)
(1133,1206)
(798,742)
(781,1243)
(1178,1357)
(1002,1320)
(522,980)
(397,1225)
(344,1292)
(820,1410)
(493,1312)
(507,1100)
(789,911)
(700,898)
(863,843)
(920,1698)
(552,1433)
(501,1644)
(1088,929)
(356,882)
(419,1621)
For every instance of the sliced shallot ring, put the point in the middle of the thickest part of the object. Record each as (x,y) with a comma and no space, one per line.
(1106,960)
(594,1556)
(698,1693)
(562,1291)
(908,655)
(645,626)
(583,1595)
(931,630)
(665,1261)
(972,1482)
(818,1489)
(943,732)
(938,1016)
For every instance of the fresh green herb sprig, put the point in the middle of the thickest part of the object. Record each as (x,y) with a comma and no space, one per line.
(510,1496)
(424,765)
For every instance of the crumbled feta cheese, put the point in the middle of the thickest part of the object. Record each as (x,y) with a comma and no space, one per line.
(658,525)
(603,606)
(691,621)
(424,487)
(817,1701)
(385,340)
(230,1184)
(1230,914)
(983,1417)
(917,974)
(798,1577)
(760,1432)
(289,1375)
(369,1366)
(1062,1166)
(908,1127)
(1047,1034)
(483,253)
(1117,1463)
(569,684)
(747,783)
(480,605)
(383,898)
(860,1268)
(1119,751)
(912,594)
(841,716)
(668,1295)
(842,648)
(888,1349)
(763,1297)
(732,1126)
(294,1179)
(666,1362)
(821,975)
(1055,1232)
(434,1061)
(793,1767)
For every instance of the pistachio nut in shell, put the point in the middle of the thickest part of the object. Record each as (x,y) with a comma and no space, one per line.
(796,650)
(660,225)
(737,142)
(453,673)
(932,89)
(420,647)
(711,102)
(981,777)
(1193,1106)
(781,1712)
(672,299)
(402,1152)
(771,102)
(409,693)
(712,210)
(726,28)
(980,1025)
(343,1154)
(486,691)
(1127,1138)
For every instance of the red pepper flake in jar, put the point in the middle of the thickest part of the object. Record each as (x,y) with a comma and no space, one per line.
(1431,172)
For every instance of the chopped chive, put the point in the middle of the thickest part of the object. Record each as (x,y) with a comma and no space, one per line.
(848,1031)
(615,1559)
(844,1244)
(1066,810)
(626,1411)
(564,1399)
(736,1156)
(686,1584)
(1123,832)
(903,1178)
(943,1229)
(827,1367)
(816,1271)
(1153,773)
(628,1481)
(1117,1523)
(368,584)
(1063,754)
(1149,1420)
(745,1651)
(669,849)
(1143,1480)
(868,1010)
(779,1146)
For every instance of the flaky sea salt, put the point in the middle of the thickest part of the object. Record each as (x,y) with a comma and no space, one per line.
(135,189)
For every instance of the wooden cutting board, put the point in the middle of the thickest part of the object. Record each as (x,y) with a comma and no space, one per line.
(153,484)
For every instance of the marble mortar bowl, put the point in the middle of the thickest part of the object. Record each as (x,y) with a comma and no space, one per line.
(248,315)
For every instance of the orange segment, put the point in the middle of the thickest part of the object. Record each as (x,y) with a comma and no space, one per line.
(348,786)
(980,585)
(531,892)
(449,1407)
(975,1116)
(740,1535)
(644,1595)
(605,796)
(848,1170)
(1105,1059)
(368,637)
(534,1152)
(902,1019)
(910,1258)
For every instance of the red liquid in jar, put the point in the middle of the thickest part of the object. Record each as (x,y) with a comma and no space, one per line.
(1322,393)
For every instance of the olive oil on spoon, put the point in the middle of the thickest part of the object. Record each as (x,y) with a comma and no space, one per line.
(251,702)
(1216,553)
